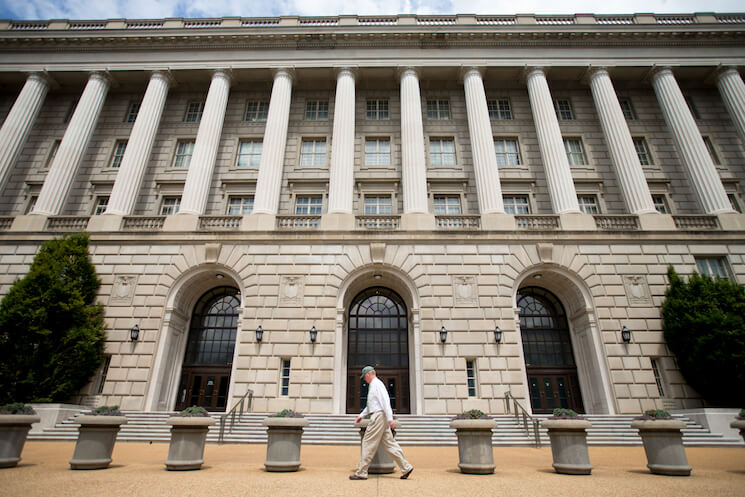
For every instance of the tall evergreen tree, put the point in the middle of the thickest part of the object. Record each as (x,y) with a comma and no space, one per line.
(51,329)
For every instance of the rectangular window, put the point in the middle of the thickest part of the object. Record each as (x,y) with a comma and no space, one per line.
(256,111)
(116,158)
(170,206)
(588,204)
(285,378)
(446,204)
(377,110)
(712,150)
(715,267)
(733,201)
(31,204)
(240,205)
(471,377)
(377,204)
(194,112)
(438,110)
(308,204)
(184,150)
(100,207)
(442,151)
(660,203)
(377,152)
(104,372)
(516,204)
(313,152)
(575,152)
(692,107)
(132,111)
(317,110)
(71,110)
(249,153)
(499,109)
(627,109)
(658,377)
(642,151)
(563,109)
(508,153)
(52,153)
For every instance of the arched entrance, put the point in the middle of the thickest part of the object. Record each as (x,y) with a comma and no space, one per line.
(205,373)
(378,335)
(549,360)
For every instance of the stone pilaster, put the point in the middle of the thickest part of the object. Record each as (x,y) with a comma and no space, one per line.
(732,89)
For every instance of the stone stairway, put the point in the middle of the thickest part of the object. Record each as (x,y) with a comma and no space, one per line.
(331,429)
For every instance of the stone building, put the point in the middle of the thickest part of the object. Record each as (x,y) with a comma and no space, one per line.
(476,205)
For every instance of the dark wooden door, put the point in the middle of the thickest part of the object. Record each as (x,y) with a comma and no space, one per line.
(204,386)
(396,381)
(554,388)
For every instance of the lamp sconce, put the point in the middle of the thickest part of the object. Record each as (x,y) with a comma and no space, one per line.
(313,334)
(443,334)
(626,335)
(498,334)
(134,333)
(259,334)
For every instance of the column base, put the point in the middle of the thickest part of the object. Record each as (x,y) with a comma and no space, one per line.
(105,222)
(654,221)
(498,221)
(181,222)
(259,221)
(577,221)
(418,221)
(731,221)
(338,221)
(29,222)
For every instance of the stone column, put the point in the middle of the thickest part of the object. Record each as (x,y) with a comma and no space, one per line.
(340,214)
(555,162)
(491,205)
(269,179)
(413,166)
(19,122)
(732,89)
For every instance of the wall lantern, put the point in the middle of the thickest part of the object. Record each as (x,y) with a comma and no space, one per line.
(313,334)
(498,334)
(259,333)
(134,333)
(443,334)
(626,335)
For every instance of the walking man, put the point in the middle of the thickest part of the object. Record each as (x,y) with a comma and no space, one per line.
(379,430)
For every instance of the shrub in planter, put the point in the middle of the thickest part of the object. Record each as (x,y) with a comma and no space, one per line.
(284,439)
(663,443)
(382,462)
(567,431)
(96,438)
(188,435)
(474,431)
(739,423)
(15,422)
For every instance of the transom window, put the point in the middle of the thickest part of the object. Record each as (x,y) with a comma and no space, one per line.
(544,328)
(446,204)
(378,204)
(715,267)
(499,109)
(508,153)
(438,110)
(101,204)
(642,151)
(317,110)
(308,204)
(660,203)
(119,148)
(442,151)
(712,151)
(170,205)
(516,204)
(377,152)
(377,110)
(588,204)
(627,108)
(194,112)
(213,328)
(256,111)
(563,109)
(132,111)
(378,329)
(575,151)
(313,152)
(249,153)
(240,205)
(184,151)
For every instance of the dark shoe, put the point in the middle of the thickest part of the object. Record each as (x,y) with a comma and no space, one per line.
(356,477)
(406,475)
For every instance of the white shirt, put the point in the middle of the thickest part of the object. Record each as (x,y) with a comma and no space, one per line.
(378,400)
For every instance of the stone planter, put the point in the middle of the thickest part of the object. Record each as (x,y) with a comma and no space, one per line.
(382,462)
(284,438)
(739,424)
(96,438)
(188,435)
(663,444)
(13,431)
(474,445)
(569,445)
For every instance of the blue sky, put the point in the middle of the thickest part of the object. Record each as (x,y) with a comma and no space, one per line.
(151,9)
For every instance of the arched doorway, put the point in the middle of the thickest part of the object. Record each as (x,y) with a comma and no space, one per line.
(547,347)
(378,336)
(205,374)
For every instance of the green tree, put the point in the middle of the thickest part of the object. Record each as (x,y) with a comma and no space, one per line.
(51,329)
(704,326)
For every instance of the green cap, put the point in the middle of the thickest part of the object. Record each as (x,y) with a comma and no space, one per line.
(366,370)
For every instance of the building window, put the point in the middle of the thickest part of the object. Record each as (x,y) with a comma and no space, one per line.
(101,204)
(471,376)
(563,109)
(71,110)
(733,201)
(249,153)
(31,204)
(52,153)
(285,378)
(194,112)
(658,377)
(132,111)
(508,153)
(627,109)
(170,205)
(438,110)
(499,109)
(377,152)
(104,373)
(184,150)
(712,150)
(317,110)
(308,204)
(692,107)
(447,204)
(642,151)
(240,205)
(660,203)
(712,266)
(313,152)
(516,204)
(575,152)
(588,204)
(256,111)
(377,110)
(442,151)
(377,204)
(116,158)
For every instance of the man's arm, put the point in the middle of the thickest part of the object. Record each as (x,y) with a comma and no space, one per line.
(362,415)
(386,403)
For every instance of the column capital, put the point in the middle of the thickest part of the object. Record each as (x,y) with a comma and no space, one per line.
(285,72)
(165,75)
(466,70)
(352,71)
(529,71)
(224,73)
(657,71)
(44,77)
(104,76)
(402,71)
(595,71)
(722,70)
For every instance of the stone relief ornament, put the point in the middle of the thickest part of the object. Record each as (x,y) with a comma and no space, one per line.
(637,290)
(465,292)
(123,290)
(291,290)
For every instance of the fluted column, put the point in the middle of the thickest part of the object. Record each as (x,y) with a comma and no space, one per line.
(413,165)
(558,175)
(140,144)
(629,171)
(732,89)
(19,122)
(74,144)
(696,159)
(199,177)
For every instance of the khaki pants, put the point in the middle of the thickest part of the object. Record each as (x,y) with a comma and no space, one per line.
(379,433)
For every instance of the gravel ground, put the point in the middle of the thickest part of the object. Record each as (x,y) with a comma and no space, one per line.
(237,470)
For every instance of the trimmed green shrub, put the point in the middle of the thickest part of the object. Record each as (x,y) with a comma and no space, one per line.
(472,414)
(16,408)
(106,411)
(194,412)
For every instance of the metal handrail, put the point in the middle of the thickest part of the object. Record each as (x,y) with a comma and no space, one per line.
(238,408)
(520,411)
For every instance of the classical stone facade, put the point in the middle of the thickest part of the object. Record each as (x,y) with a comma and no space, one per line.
(403,185)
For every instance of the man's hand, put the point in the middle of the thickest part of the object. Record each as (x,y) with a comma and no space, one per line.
(357,421)
(392,424)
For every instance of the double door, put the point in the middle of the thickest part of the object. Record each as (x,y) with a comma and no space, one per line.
(396,381)
(552,388)
(204,386)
